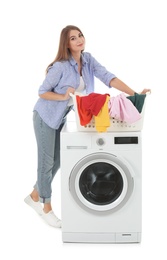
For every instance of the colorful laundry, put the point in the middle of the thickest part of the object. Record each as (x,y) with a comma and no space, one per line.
(103,108)
(123,109)
(89,106)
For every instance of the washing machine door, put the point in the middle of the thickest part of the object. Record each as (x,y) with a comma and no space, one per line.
(101,182)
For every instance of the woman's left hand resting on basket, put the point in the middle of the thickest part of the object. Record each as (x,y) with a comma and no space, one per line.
(55,96)
(146,90)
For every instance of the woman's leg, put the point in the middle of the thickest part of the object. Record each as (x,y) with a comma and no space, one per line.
(48,143)
(45,137)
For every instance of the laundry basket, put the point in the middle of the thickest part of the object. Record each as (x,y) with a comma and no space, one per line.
(115,125)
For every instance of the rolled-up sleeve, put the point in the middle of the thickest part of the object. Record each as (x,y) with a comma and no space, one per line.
(52,78)
(101,72)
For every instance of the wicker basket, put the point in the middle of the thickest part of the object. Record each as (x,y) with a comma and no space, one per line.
(115,126)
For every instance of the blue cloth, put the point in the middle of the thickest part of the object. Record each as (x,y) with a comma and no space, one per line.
(63,75)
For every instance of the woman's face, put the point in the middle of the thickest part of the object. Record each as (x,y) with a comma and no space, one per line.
(76,41)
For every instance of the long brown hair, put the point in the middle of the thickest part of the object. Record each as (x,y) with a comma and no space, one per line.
(63,50)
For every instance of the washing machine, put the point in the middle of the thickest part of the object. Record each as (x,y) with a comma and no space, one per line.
(101,181)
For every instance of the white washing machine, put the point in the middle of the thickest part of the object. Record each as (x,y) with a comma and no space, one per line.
(101,176)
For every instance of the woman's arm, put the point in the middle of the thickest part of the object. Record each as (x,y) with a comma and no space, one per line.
(55,96)
(121,86)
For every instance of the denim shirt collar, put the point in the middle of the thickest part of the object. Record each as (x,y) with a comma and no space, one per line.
(83,58)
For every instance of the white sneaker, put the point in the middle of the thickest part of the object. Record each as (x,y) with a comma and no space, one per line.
(33,204)
(51,219)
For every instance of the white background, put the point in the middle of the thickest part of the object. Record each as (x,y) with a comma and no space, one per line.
(128,38)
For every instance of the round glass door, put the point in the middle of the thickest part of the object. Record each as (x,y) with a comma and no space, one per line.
(101,182)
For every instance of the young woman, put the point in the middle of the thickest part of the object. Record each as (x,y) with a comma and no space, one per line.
(73,69)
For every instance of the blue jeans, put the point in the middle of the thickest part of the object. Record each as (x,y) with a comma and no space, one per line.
(48,143)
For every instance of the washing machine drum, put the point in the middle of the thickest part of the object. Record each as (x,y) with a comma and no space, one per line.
(101,182)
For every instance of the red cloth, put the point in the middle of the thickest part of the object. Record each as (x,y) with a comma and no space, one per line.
(89,105)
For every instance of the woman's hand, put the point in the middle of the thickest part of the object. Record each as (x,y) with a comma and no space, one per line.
(69,90)
(145,91)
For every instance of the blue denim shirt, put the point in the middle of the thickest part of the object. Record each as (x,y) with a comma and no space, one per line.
(65,74)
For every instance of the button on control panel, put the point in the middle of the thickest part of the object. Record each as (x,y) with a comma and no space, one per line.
(100,141)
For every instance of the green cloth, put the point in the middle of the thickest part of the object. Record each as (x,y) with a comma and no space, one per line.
(137,100)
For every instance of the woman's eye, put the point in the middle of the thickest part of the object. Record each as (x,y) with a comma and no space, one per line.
(74,38)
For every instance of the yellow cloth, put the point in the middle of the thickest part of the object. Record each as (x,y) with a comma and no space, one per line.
(102,120)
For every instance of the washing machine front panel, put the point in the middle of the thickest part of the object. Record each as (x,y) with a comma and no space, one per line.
(101,182)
